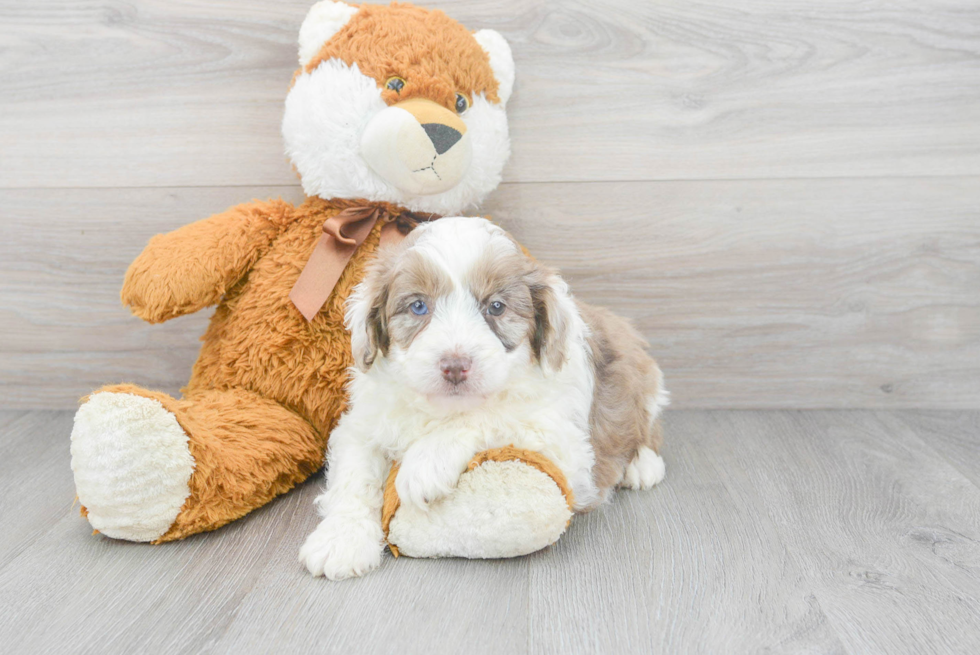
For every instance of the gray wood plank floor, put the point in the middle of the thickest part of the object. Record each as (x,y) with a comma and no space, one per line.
(776,531)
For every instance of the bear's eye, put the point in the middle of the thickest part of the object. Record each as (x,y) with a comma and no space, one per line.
(396,84)
(419,308)
(496,308)
(462,104)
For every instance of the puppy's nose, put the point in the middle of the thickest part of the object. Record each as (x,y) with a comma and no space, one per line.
(442,136)
(455,369)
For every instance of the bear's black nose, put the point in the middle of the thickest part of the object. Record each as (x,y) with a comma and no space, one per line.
(442,136)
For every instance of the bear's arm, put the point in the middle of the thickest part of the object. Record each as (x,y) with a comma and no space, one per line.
(192,267)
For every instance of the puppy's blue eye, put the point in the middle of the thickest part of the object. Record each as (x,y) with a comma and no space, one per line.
(419,308)
(496,308)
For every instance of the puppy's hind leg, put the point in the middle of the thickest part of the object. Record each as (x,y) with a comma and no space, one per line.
(647,468)
(645,471)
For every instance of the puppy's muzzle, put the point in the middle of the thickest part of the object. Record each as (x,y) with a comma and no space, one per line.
(418,146)
(455,369)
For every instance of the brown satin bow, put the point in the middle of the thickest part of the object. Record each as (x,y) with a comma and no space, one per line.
(342,234)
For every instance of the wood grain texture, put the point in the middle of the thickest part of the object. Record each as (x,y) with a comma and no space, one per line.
(63,254)
(404,607)
(885,530)
(955,436)
(35,442)
(160,93)
(790,532)
(780,293)
(673,569)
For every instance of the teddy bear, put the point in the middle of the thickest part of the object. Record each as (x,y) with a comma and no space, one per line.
(396,116)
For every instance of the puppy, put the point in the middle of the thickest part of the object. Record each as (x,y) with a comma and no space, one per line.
(462,343)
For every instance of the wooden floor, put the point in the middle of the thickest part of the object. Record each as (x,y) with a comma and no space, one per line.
(777,531)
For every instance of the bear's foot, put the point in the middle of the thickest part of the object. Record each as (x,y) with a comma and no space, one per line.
(509,503)
(152,468)
(132,465)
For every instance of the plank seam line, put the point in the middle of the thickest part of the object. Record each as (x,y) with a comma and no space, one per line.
(963,176)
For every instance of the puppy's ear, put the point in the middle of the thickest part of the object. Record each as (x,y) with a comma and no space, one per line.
(367,316)
(553,312)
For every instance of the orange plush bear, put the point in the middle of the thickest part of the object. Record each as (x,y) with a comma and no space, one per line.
(395,116)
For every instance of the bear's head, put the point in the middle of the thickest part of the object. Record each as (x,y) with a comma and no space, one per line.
(398,104)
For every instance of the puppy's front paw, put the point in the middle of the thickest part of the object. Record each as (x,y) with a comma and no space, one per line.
(340,549)
(426,475)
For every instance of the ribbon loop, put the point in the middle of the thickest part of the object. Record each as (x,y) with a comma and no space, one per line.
(342,234)
(352,225)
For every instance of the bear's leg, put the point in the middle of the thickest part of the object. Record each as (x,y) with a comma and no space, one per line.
(151,468)
(509,502)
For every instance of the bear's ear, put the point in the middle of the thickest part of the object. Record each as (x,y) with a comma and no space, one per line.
(324,19)
(501,61)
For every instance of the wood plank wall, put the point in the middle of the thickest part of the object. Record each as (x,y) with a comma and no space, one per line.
(784,196)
